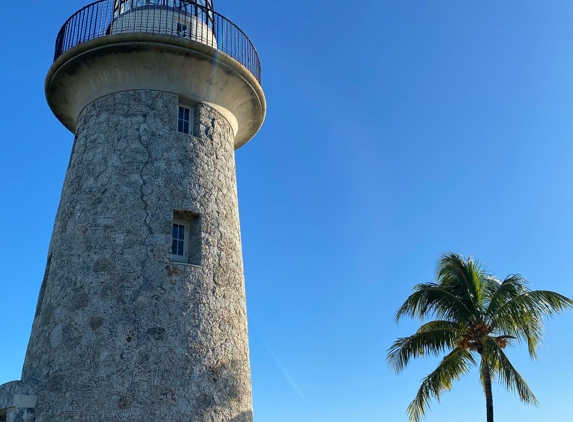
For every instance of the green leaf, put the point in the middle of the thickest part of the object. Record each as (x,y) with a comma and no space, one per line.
(455,365)
(432,338)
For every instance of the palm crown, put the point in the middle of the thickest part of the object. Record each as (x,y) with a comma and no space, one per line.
(477,316)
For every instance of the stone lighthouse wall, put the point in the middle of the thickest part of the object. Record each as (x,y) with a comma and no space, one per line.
(121,332)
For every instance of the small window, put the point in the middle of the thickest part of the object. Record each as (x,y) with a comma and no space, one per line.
(186,238)
(185,120)
(180,241)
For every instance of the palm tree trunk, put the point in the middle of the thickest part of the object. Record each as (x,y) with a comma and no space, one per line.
(488,393)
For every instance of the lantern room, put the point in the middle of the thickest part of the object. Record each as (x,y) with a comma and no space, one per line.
(192,19)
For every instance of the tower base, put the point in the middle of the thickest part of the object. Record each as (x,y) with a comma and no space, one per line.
(127,330)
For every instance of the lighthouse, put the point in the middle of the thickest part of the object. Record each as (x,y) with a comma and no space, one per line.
(141,313)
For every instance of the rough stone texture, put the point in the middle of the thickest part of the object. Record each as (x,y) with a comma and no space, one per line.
(9,390)
(18,414)
(121,333)
(16,402)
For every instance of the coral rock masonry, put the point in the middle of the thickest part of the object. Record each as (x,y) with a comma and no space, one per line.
(123,331)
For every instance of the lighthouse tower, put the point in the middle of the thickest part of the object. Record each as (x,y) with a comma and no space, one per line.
(141,313)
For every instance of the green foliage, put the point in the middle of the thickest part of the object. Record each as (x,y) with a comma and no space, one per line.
(476,317)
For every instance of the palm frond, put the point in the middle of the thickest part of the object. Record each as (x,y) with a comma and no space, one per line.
(430,299)
(513,285)
(514,295)
(492,285)
(529,329)
(439,323)
(456,364)
(432,338)
(549,303)
(502,369)
(463,277)
(520,312)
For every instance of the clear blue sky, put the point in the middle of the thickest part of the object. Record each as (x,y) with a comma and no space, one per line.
(396,130)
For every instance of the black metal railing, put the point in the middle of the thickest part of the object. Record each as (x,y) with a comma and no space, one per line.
(177,18)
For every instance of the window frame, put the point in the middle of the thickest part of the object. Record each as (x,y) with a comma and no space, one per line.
(192,238)
(186,226)
(181,120)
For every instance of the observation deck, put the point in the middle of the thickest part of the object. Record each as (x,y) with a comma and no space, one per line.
(178,46)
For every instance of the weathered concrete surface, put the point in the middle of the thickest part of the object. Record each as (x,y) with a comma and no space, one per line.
(17,402)
(121,333)
(133,61)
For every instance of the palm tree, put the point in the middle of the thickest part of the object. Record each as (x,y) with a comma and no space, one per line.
(477,317)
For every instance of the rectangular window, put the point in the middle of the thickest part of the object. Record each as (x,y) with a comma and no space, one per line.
(186,244)
(185,120)
(180,241)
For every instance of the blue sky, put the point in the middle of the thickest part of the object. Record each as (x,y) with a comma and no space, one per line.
(396,130)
